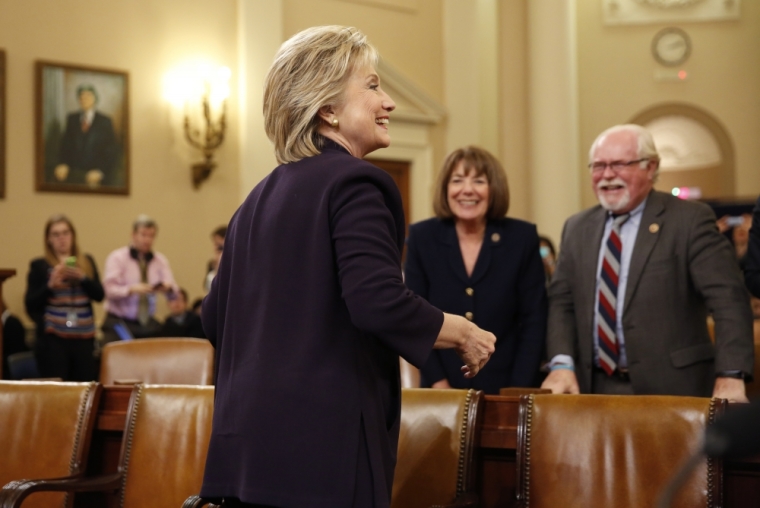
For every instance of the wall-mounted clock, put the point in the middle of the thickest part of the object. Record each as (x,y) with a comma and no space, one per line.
(671,46)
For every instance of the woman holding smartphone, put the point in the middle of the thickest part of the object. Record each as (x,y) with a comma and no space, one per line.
(61,287)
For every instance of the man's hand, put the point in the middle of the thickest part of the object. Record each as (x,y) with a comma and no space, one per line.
(93,177)
(141,288)
(730,388)
(561,381)
(722,224)
(163,287)
(61,172)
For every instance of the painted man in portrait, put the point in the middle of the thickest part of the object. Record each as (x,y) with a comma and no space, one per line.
(89,148)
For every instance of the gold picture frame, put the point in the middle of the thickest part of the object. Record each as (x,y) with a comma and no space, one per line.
(2,123)
(81,129)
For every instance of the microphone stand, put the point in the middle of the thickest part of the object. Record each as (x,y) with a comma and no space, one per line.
(666,498)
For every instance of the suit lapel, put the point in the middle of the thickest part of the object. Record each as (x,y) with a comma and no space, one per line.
(492,239)
(451,243)
(646,238)
(593,230)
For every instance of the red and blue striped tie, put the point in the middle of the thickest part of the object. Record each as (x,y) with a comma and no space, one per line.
(609,351)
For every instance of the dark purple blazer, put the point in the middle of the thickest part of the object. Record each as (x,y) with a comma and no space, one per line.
(308,314)
(506,295)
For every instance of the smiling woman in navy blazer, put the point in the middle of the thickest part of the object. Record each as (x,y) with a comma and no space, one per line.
(473,261)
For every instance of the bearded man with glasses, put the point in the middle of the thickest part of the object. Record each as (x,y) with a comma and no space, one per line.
(636,278)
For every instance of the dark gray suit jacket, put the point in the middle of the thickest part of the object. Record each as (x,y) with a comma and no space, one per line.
(681,270)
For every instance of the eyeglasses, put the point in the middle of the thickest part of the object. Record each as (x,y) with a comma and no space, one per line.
(616,166)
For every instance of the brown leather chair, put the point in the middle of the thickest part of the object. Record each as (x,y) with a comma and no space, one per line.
(163,452)
(605,451)
(45,432)
(410,375)
(436,448)
(179,361)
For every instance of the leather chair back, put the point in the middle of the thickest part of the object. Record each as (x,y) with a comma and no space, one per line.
(180,361)
(410,375)
(165,443)
(436,447)
(45,432)
(621,451)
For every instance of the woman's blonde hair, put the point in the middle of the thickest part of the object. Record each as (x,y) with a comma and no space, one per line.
(483,163)
(83,262)
(309,71)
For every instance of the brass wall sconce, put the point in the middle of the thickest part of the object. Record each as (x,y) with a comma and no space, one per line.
(207,141)
(202,94)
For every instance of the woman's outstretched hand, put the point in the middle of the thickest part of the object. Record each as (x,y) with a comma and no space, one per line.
(473,345)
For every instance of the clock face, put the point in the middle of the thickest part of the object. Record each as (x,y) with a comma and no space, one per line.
(671,46)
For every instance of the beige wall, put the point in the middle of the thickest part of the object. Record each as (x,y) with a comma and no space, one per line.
(145,38)
(149,37)
(410,38)
(616,81)
(513,105)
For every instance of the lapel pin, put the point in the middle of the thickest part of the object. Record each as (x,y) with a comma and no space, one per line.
(653,228)
(495,237)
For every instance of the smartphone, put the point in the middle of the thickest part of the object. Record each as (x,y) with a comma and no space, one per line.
(736,220)
(71,261)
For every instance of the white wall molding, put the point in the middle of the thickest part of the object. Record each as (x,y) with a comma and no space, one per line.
(412,103)
(553,114)
(410,141)
(260,34)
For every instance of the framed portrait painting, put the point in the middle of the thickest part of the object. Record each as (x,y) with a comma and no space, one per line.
(2,124)
(82,129)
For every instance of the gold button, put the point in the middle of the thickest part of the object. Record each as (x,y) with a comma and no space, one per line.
(468,315)
(653,228)
(469,291)
(495,237)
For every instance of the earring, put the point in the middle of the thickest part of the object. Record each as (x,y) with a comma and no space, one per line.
(334,123)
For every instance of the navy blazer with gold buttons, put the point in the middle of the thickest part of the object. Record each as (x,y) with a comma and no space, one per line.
(505,295)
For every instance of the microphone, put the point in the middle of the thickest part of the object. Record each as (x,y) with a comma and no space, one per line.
(735,434)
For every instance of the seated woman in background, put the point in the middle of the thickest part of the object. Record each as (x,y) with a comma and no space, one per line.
(181,322)
(473,261)
(61,287)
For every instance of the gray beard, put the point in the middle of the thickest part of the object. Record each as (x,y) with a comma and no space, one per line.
(622,203)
